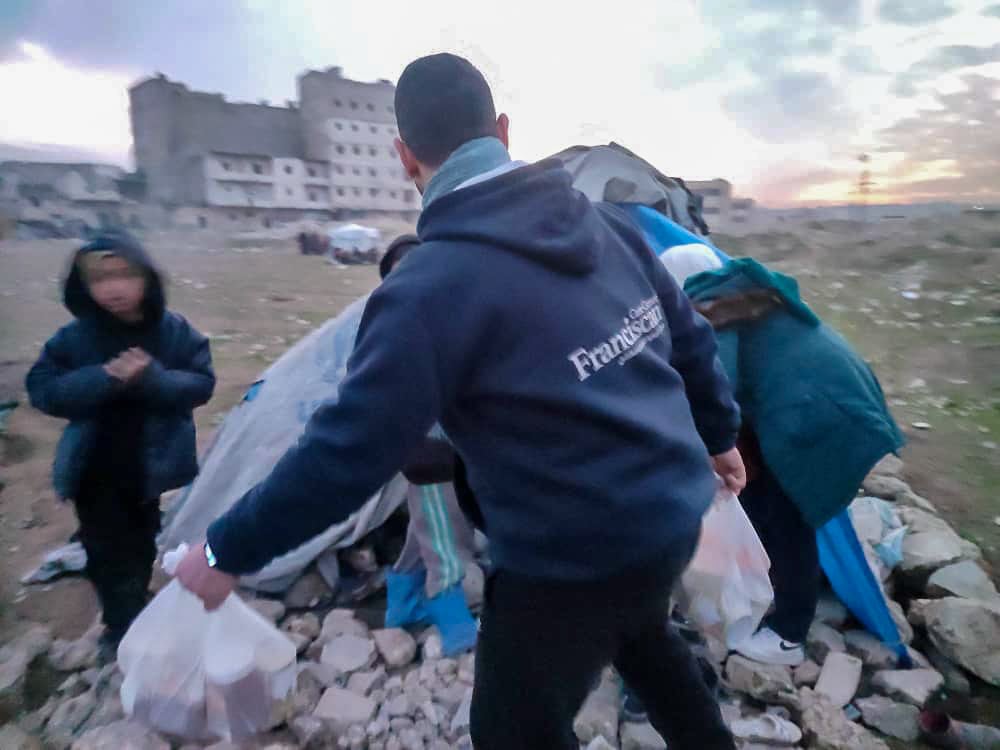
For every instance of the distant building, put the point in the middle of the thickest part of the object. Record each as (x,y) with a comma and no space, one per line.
(329,155)
(717,196)
(68,196)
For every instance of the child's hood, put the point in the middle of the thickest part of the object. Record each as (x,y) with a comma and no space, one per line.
(76,295)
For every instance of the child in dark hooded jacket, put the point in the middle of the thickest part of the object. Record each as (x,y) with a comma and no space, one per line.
(127,374)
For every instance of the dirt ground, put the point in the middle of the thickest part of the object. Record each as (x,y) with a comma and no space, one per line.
(936,349)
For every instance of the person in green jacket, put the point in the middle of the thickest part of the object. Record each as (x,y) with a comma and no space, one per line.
(815,422)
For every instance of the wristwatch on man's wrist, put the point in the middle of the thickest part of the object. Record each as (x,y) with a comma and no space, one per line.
(210,556)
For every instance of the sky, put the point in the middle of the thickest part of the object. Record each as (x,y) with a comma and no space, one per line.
(780,97)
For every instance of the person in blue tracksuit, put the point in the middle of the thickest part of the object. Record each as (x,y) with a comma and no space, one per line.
(425,584)
(583,394)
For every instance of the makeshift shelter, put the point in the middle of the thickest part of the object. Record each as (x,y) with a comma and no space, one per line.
(353,242)
(258,431)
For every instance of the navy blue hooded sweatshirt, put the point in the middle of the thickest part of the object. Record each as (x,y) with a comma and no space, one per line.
(142,436)
(568,369)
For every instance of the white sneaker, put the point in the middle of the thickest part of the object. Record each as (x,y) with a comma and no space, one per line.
(768,647)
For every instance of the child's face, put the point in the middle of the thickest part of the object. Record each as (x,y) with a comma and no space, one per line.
(118,287)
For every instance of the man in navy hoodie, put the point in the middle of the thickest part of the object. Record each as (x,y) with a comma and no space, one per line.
(583,394)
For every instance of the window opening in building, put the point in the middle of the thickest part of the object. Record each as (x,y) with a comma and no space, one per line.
(258,169)
(357,191)
(202,222)
(354,105)
(312,172)
(372,151)
(373,192)
(288,169)
(354,127)
(225,165)
(340,149)
(312,196)
(372,172)
(340,191)
(357,150)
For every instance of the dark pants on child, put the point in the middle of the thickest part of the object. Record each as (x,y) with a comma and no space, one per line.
(543,644)
(791,544)
(118,532)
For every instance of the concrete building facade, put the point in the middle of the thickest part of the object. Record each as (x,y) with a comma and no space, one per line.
(332,151)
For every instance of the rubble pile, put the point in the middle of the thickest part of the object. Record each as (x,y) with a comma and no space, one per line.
(364,689)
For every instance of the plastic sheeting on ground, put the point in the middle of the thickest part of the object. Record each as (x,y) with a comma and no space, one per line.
(258,431)
(844,563)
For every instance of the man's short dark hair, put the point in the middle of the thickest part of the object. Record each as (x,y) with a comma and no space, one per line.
(442,102)
(395,252)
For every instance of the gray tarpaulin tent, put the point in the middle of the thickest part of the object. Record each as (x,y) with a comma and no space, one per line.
(258,431)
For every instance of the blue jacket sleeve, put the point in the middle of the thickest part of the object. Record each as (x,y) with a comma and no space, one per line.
(392,394)
(59,389)
(695,357)
(183,388)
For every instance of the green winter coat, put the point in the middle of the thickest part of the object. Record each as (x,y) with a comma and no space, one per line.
(816,407)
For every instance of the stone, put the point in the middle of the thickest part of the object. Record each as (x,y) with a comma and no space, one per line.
(411,740)
(473,585)
(68,719)
(898,720)
(902,624)
(349,653)
(871,651)
(450,696)
(418,695)
(75,656)
(967,632)
(341,622)
(598,716)
(769,683)
(108,711)
(363,683)
(308,691)
(467,668)
(641,737)
(309,591)
(34,722)
(806,673)
(121,735)
(16,658)
(396,646)
(913,686)
(840,678)
(433,648)
(447,667)
(306,625)
(954,678)
(964,579)
(929,544)
(913,500)
(270,609)
(826,726)
(326,674)
(400,706)
(599,743)
(461,718)
(831,611)
(883,486)
(971,551)
(890,466)
(342,709)
(823,640)
(917,614)
(12,737)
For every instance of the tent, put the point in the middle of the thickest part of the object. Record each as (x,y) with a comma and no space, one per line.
(353,241)
(258,431)
(841,554)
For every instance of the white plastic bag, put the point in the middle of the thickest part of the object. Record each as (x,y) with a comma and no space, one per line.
(203,675)
(726,589)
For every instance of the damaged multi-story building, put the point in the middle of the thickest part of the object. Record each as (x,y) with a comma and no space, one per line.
(219,163)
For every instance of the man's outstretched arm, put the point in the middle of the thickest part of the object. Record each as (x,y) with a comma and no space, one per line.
(390,398)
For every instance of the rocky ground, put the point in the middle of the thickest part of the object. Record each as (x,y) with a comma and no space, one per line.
(360,688)
(921,301)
